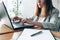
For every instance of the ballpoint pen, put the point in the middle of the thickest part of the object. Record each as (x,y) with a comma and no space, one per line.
(36,33)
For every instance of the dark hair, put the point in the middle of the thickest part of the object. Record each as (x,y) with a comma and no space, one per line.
(49,7)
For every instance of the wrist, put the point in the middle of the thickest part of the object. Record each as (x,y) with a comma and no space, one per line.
(37,24)
(33,22)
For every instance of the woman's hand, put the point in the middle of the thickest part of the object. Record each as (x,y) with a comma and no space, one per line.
(16,18)
(38,24)
(27,21)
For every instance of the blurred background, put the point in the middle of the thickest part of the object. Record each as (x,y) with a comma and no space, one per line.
(24,8)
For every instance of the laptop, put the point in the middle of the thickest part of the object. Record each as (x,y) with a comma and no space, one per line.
(7,20)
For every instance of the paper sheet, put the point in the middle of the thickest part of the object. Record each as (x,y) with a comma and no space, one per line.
(26,35)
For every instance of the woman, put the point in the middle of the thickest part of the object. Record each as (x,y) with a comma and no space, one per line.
(45,17)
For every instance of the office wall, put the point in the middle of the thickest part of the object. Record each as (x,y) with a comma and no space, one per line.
(27,7)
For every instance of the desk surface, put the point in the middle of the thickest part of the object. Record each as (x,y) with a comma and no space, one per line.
(8,34)
(11,35)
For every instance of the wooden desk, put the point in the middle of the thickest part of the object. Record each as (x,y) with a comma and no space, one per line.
(8,34)
(11,35)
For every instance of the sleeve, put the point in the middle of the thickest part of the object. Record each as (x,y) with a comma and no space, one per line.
(53,24)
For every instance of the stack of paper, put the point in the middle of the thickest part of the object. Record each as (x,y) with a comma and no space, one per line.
(45,35)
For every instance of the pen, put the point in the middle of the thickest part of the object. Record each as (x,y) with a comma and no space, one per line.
(36,33)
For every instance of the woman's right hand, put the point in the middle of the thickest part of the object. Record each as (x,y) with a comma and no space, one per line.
(17,18)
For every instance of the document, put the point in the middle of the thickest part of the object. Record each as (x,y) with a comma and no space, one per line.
(37,35)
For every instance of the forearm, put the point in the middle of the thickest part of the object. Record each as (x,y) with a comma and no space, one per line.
(51,26)
(56,34)
(37,24)
(45,25)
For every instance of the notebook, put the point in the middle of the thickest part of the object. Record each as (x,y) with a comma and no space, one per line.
(45,35)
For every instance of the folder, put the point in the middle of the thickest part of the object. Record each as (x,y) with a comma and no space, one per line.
(45,35)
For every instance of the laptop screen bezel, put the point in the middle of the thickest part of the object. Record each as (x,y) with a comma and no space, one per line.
(7,15)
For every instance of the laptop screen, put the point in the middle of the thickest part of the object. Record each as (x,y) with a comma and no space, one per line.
(4,15)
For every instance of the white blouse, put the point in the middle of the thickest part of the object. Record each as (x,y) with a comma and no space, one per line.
(41,19)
